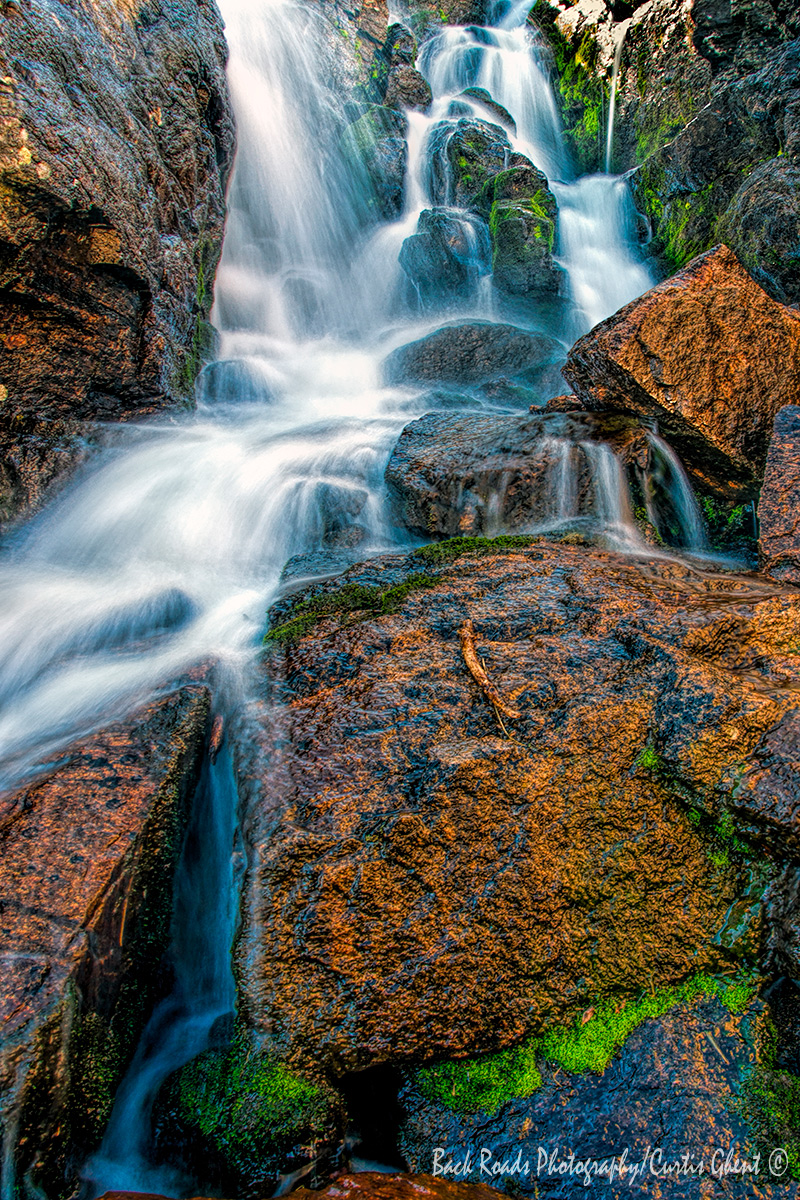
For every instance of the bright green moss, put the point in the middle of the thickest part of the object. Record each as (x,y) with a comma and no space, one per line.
(482,1084)
(247,1104)
(441,553)
(649,760)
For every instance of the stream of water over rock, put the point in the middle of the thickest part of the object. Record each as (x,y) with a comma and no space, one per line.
(167,550)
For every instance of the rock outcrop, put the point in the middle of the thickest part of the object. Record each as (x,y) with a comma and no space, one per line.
(408,832)
(779,501)
(471,353)
(469,474)
(446,257)
(88,859)
(707,354)
(523,221)
(117,140)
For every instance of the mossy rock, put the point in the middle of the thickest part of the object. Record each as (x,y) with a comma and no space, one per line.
(244,1116)
(523,237)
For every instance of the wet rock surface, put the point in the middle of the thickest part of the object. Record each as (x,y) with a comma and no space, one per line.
(707,354)
(463,475)
(377,149)
(446,257)
(464,155)
(670,1092)
(405,837)
(779,500)
(116,145)
(372,1186)
(471,353)
(89,854)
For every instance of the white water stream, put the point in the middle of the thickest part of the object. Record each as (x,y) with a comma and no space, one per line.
(167,550)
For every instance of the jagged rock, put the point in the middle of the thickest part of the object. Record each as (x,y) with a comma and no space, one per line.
(470,353)
(116,144)
(401,46)
(672,1091)
(570,403)
(779,502)
(447,255)
(89,856)
(464,153)
(468,474)
(495,110)
(406,88)
(377,149)
(707,354)
(401,840)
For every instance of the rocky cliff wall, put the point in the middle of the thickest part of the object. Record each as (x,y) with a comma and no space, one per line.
(116,141)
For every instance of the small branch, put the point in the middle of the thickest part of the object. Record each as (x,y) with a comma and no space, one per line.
(467,635)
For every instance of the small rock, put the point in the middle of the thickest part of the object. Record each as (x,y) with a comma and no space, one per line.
(406,88)
(470,353)
(497,111)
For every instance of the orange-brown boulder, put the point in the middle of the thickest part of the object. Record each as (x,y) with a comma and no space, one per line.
(374,1186)
(779,502)
(707,354)
(433,875)
(86,871)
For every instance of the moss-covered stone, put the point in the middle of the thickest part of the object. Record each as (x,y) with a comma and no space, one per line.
(581,87)
(250,1114)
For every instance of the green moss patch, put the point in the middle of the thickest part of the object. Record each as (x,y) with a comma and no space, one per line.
(250,1106)
(350,598)
(482,1084)
(770,1104)
(485,1084)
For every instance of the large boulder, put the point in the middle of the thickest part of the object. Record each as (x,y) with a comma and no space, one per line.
(523,221)
(779,502)
(463,154)
(470,353)
(556,798)
(116,143)
(762,224)
(707,354)
(446,257)
(89,858)
(406,88)
(467,474)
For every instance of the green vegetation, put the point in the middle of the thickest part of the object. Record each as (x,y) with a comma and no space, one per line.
(350,598)
(649,760)
(248,1103)
(484,1084)
(443,553)
(770,1103)
(582,92)
(591,1046)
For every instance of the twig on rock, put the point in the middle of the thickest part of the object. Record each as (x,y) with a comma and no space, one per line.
(467,635)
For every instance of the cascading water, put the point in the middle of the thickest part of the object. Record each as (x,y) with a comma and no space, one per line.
(169,547)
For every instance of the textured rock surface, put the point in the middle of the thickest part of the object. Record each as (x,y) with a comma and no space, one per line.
(523,222)
(406,88)
(446,256)
(403,841)
(470,353)
(370,1186)
(376,146)
(670,1090)
(115,148)
(779,501)
(462,475)
(88,855)
(709,355)
(463,157)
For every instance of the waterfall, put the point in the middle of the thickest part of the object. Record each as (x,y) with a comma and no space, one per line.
(168,548)
(670,500)
(619,35)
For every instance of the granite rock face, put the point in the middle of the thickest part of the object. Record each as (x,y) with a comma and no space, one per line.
(405,835)
(115,148)
(707,354)
(88,858)
(779,501)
